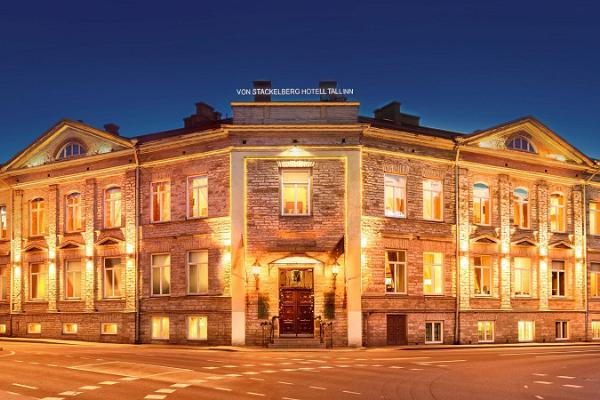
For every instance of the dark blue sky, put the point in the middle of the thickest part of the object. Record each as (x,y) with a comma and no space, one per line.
(461,66)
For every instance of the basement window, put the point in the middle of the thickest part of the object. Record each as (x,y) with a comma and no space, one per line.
(160,328)
(197,327)
(2,329)
(434,332)
(526,331)
(109,328)
(562,330)
(485,331)
(34,327)
(596,330)
(69,328)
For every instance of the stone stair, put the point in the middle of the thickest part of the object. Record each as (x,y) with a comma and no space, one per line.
(297,343)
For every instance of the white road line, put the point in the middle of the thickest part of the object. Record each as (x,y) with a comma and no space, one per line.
(18,361)
(107,383)
(130,378)
(89,387)
(25,386)
(268,371)
(540,374)
(229,366)
(180,385)
(285,383)
(350,392)
(289,398)
(396,367)
(222,389)
(155,397)
(233,375)
(256,394)
(211,367)
(543,382)
(167,391)
(565,377)
(52,398)
(250,373)
(195,381)
(537,396)
(317,387)
(69,393)
(215,378)
(439,362)
(394,358)
(573,386)
(257,379)
(325,367)
(248,365)
(52,365)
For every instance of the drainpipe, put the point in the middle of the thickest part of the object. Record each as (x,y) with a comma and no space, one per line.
(584,254)
(457,261)
(137,243)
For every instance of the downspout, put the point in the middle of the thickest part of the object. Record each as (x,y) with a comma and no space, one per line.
(12,270)
(137,243)
(457,260)
(584,254)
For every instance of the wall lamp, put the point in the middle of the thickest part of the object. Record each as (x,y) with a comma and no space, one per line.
(335,270)
(256,272)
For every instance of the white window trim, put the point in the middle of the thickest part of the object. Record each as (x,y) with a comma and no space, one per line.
(490,268)
(441,192)
(562,339)
(513,273)
(187,271)
(104,287)
(161,294)
(308,192)
(489,200)
(521,204)
(66,273)
(405,263)
(433,341)
(187,196)
(564,273)
(402,190)
(493,339)
(152,220)
(105,216)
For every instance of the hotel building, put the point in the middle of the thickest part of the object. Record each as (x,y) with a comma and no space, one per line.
(302,215)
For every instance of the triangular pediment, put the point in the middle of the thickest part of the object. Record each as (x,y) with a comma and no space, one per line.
(485,239)
(561,244)
(545,144)
(109,241)
(524,242)
(69,244)
(33,248)
(46,148)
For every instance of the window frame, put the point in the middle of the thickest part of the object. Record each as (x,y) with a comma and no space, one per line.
(564,326)
(530,147)
(526,322)
(521,206)
(492,325)
(104,332)
(107,217)
(559,272)
(162,320)
(161,200)
(82,151)
(490,269)
(395,189)
(188,275)
(514,273)
(396,264)
(31,331)
(434,275)
(198,327)
(66,263)
(596,217)
(43,275)
(433,340)
(161,276)
(40,210)
(4,283)
(431,197)
(559,208)
(72,211)
(594,270)
(72,324)
(595,328)
(4,222)
(481,200)
(282,185)
(189,189)
(115,270)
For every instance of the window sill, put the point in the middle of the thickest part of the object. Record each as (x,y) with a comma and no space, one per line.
(74,232)
(196,218)
(160,222)
(394,216)
(433,294)
(396,294)
(482,296)
(112,298)
(74,300)
(295,215)
(159,295)
(486,341)
(203,294)
(433,220)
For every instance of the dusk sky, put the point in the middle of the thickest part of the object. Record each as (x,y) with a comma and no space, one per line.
(460,66)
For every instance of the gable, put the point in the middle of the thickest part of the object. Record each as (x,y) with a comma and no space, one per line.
(46,148)
(541,142)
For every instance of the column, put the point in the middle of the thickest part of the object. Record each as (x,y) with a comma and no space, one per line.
(88,236)
(353,267)
(16,249)
(543,238)
(504,202)
(51,240)
(238,267)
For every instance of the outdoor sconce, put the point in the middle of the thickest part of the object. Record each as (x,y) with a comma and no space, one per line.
(256,272)
(335,270)
(17,269)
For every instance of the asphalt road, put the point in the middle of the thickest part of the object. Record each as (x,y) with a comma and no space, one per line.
(108,372)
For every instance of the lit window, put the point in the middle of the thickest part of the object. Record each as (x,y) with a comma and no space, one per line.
(395,271)
(112,208)
(69,328)
(522,276)
(2,329)
(34,327)
(295,192)
(520,143)
(73,279)
(197,197)
(595,279)
(38,281)
(112,277)
(595,217)
(558,215)
(109,328)
(485,331)
(198,272)
(482,269)
(3,223)
(432,200)
(161,274)
(160,327)
(70,150)
(433,273)
(561,330)
(481,204)
(526,331)
(161,201)
(596,330)
(197,328)
(4,282)
(73,212)
(434,332)
(37,223)
(558,278)
(521,205)
(395,195)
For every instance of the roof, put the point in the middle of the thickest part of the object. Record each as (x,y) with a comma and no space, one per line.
(419,130)
(149,137)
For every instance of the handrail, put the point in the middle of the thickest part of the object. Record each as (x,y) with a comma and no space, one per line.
(272,333)
(264,325)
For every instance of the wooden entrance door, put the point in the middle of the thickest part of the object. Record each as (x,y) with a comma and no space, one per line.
(296,317)
(396,330)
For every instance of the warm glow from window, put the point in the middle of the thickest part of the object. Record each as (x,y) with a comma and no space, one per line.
(197,328)
(112,208)
(73,212)
(198,272)
(197,197)
(295,191)
(520,143)
(70,150)
(434,332)
(596,330)
(73,279)
(395,272)
(37,222)
(485,331)
(2,329)
(161,201)
(432,199)
(481,204)
(526,331)
(109,328)
(558,278)
(160,327)
(595,279)
(482,271)
(558,214)
(594,217)
(38,281)
(4,282)
(69,328)
(34,327)
(395,195)
(3,223)
(433,279)
(113,276)
(161,274)
(521,208)
(522,276)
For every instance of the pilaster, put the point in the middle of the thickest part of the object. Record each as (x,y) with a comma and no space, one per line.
(51,240)
(16,250)
(504,202)
(88,237)
(543,238)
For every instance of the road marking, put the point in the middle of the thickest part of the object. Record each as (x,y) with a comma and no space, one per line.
(288,398)
(222,389)
(285,383)
(396,367)
(439,362)
(211,367)
(416,369)
(52,365)
(377,365)
(215,378)
(52,398)
(269,371)
(130,378)
(89,387)
(317,387)
(155,397)
(537,396)
(291,369)
(69,393)
(257,379)
(341,366)
(18,361)
(543,382)
(25,386)
(565,377)
(350,392)
(168,391)
(255,394)
(107,383)
(540,374)
(250,373)
(180,385)
(233,375)
(361,359)
(229,366)
(325,367)
(34,363)
(248,365)
(573,386)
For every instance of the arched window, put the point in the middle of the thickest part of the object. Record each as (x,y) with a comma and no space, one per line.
(37,218)
(558,220)
(481,204)
(70,150)
(73,212)
(520,143)
(521,204)
(112,207)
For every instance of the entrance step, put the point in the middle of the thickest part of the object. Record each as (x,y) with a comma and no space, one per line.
(297,343)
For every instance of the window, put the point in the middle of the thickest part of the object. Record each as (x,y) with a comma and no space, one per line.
(38,280)
(595,217)
(197,328)
(73,279)
(562,330)
(34,327)
(2,329)
(520,143)
(4,282)
(526,331)
(73,212)
(161,274)
(108,328)
(558,215)
(432,199)
(395,195)
(37,223)
(198,272)
(295,192)
(197,197)
(483,275)
(433,332)
(482,211)
(112,277)
(433,273)
(160,327)
(3,223)
(558,278)
(522,276)
(485,331)
(521,204)
(69,328)
(112,208)
(70,150)
(161,201)
(596,330)
(595,279)
(395,271)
